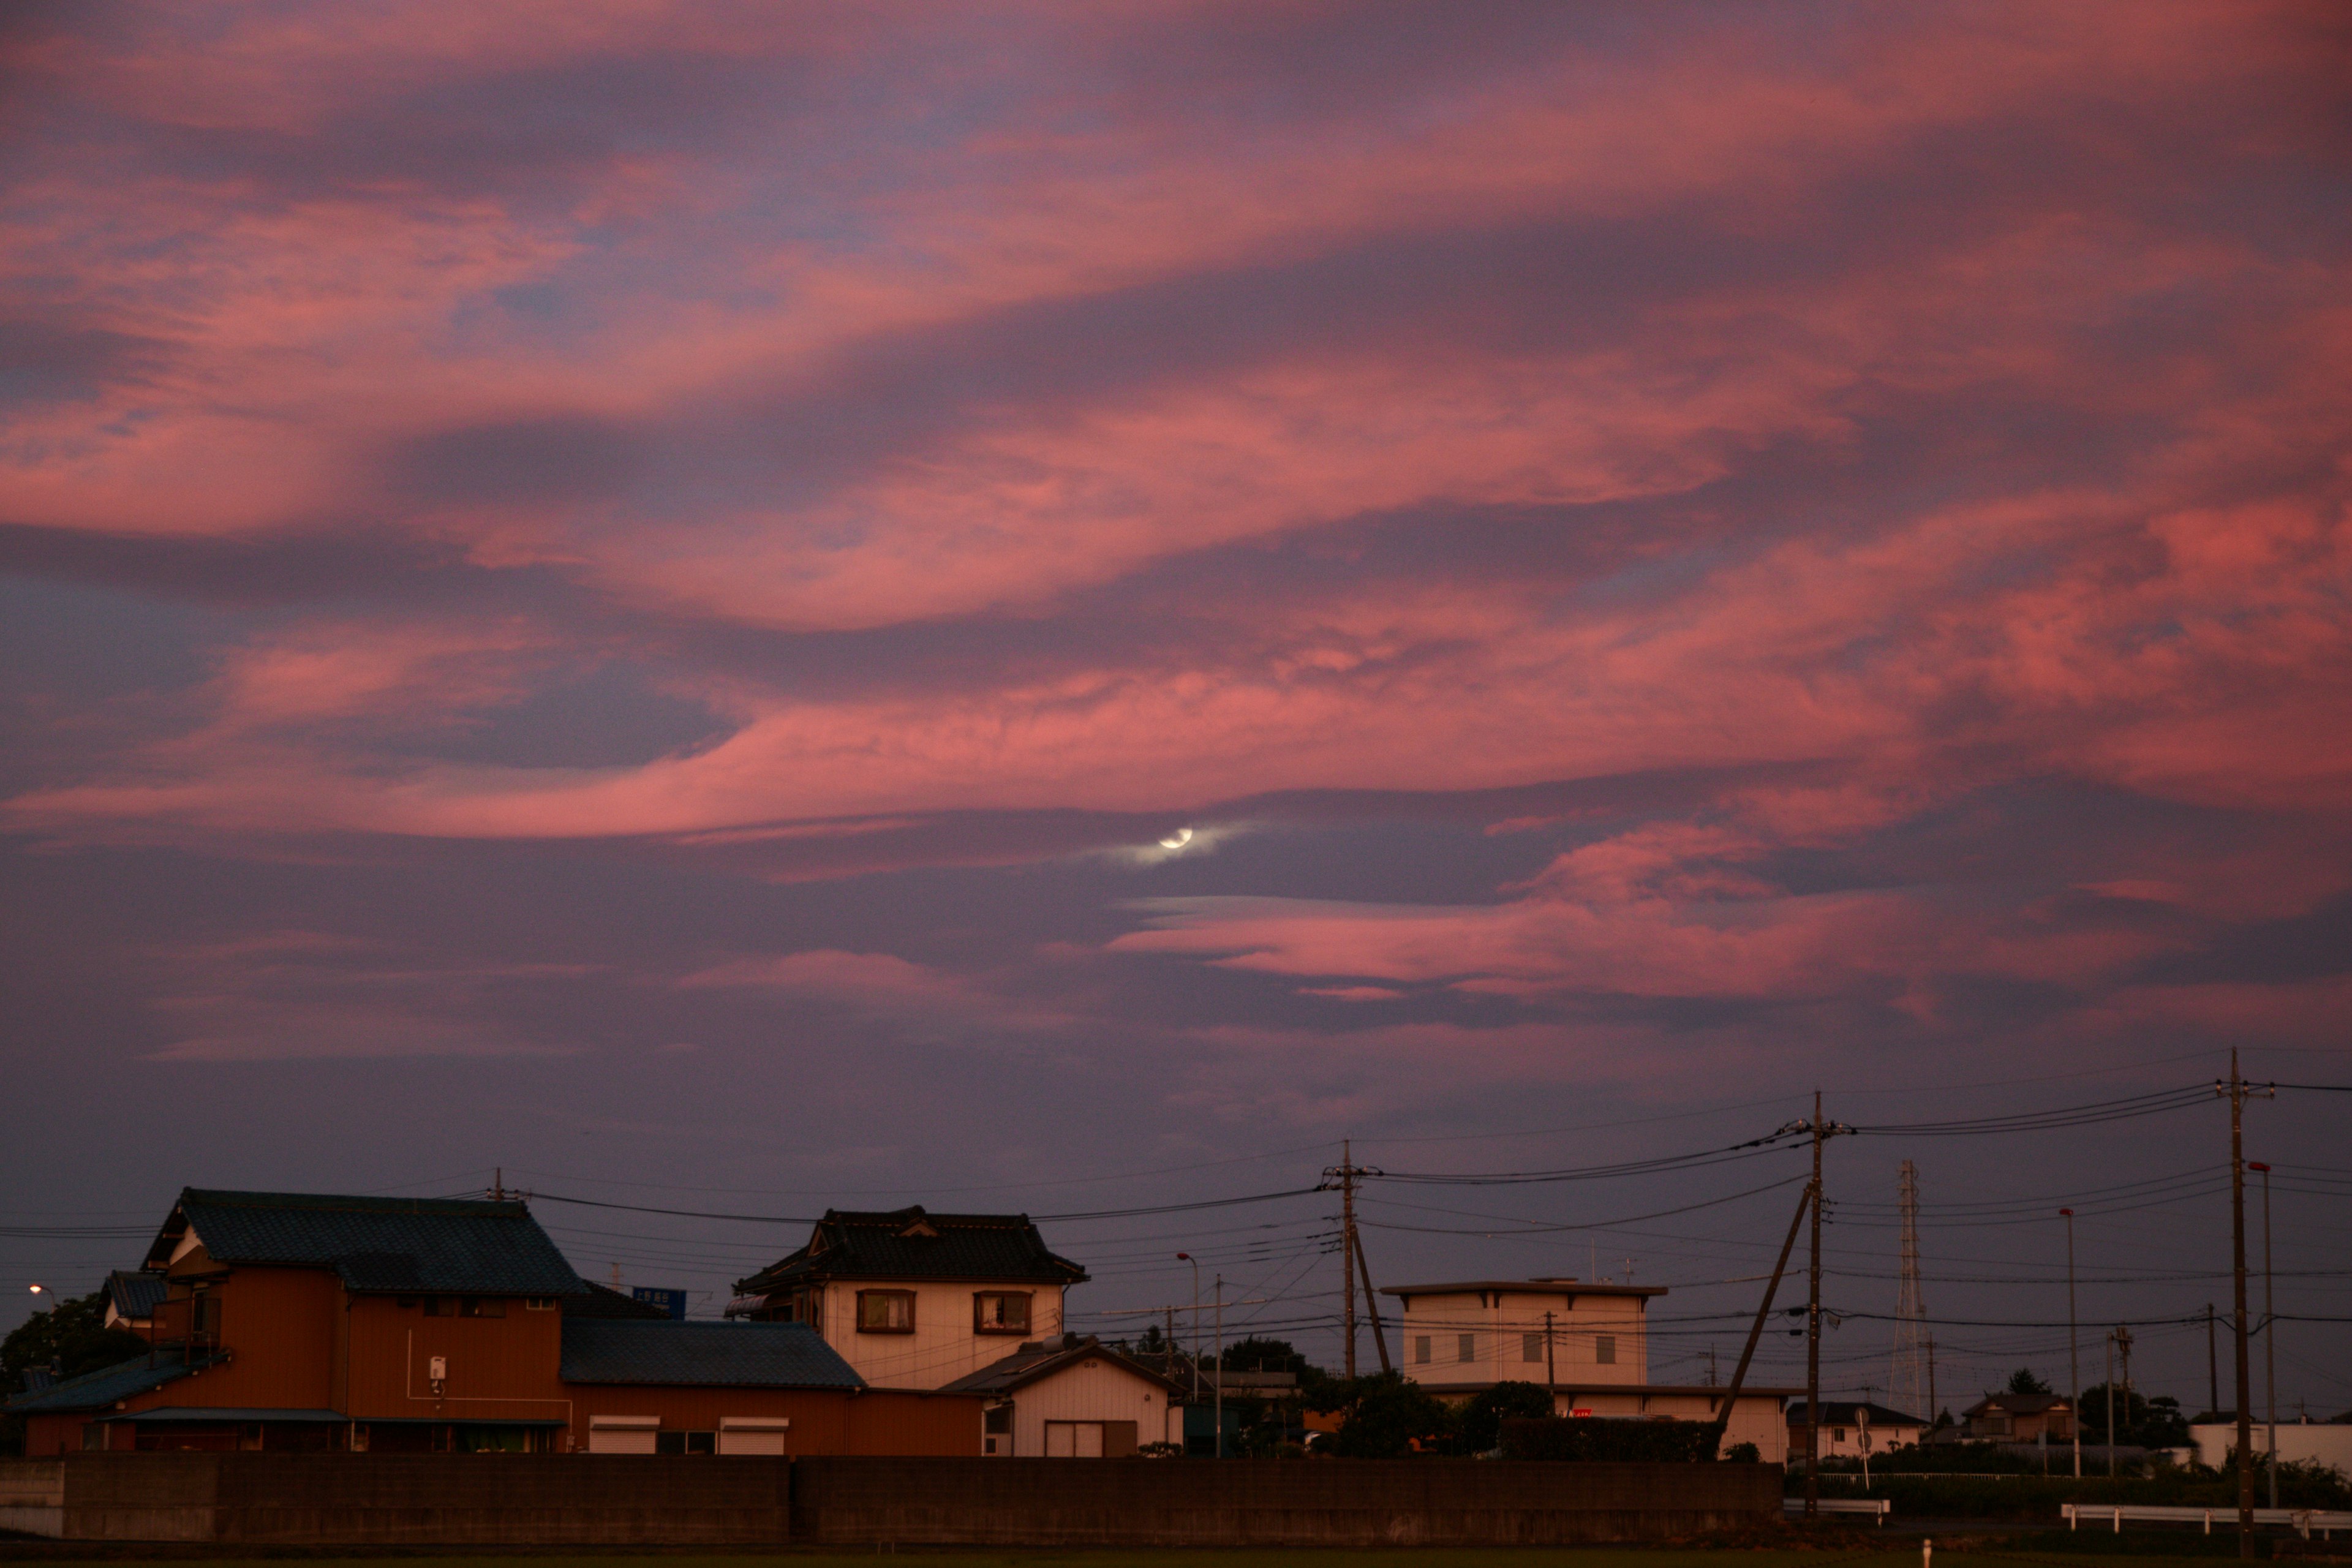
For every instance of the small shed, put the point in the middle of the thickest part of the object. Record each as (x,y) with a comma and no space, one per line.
(1077,1400)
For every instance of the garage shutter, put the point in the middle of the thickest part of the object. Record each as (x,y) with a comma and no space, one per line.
(623,1433)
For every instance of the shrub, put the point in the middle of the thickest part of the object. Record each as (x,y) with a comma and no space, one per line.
(1388,1419)
(1482,1417)
(1592,1438)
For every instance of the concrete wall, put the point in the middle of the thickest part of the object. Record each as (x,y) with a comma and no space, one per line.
(387,1499)
(1240,1502)
(362,1499)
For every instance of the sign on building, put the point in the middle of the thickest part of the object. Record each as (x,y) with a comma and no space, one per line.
(670,1301)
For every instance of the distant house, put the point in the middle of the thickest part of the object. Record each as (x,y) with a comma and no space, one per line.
(2021,1418)
(915,1299)
(324,1322)
(1843,1427)
(131,1297)
(1588,1344)
(1070,1400)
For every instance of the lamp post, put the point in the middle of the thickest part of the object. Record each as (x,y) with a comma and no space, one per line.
(2270,1330)
(2074,1354)
(1220,1366)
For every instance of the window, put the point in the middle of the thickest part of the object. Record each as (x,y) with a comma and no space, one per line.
(481,1307)
(996,1418)
(886,1311)
(1531,1347)
(440,1307)
(686,1442)
(1837,1434)
(1605,1349)
(539,1303)
(204,1313)
(1421,1348)
(1465,1347)
(1000,1313)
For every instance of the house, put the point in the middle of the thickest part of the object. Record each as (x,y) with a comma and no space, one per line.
(1077,1399)
(130,1299)
(1847,1423)
(1588,1343)
(915,1299)
(317,1323)
(2021,1418)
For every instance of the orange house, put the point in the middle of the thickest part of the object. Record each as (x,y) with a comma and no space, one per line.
(300,1322)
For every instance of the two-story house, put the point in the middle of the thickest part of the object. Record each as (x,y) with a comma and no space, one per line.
(1588,1344)
(320,1322)
(916,1299)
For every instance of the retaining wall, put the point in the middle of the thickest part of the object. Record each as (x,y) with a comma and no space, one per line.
(1244,1502)
(683,1500)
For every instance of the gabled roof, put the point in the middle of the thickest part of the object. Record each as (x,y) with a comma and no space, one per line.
(733,1355)
(1841,1413)
(1039,1359)
(912,1244)
(135,1295)
(374,1243)
(97,1390)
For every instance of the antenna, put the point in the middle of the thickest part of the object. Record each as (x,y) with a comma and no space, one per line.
(1908,1389)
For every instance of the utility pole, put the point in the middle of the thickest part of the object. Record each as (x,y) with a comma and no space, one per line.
(2111,1404)
(1372,1306)
(2213,1368)
(1188,1258)
(2074,1357)
(1931,1382)
(1220,1366)
(2122,1352)
(1763,1311)
(1344,1177)
(1813,1337)
(2238,1090)
(1551,1367)
(2269,1331)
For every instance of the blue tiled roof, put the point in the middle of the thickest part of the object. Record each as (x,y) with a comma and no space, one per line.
(135,1295)
(911,1244)
(96,1389)
(739,1355)
(458,1244)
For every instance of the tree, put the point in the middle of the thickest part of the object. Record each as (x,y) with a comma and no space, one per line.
(2140,1421)
(72,1336)
(1254,1354)
(1388,1419)
(2022,1381)
(1482,1419)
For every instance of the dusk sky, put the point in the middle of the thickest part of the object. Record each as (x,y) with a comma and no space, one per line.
(630,592)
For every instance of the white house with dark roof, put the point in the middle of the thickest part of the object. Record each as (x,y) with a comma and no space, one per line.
(1070,1400)
(1588,1344)
(916,1299)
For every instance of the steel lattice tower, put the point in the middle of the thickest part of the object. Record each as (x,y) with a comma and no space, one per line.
(1907,1389)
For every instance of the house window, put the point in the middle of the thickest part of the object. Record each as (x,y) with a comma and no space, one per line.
(203,1314)
(1421,1348)
(481,1307)
(886,1311)
(1531,1347)
(1000,1313)
(686,1442)
(1837,1434)
(539,1303)
(997,1419)
(1605,1349)
(440,1307)
(1466,1347)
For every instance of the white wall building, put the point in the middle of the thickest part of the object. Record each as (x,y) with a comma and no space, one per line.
(1588,1344)
(2328,1442)
(913,1300)
(1083,1402)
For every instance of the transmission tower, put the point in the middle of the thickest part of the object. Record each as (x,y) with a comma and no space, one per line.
(1909,1389)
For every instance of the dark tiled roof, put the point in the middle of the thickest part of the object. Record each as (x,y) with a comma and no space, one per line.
(1032,1361)
(135,1295)
(734,1355)
(604,1301)
(378,1244)
(96,1389)
(1840,1413)
(909,1244)
(2017,1403)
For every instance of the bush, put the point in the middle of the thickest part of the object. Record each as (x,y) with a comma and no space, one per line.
(1743,1453)
(1482,1417)
(1595,1439)
(1389,1418)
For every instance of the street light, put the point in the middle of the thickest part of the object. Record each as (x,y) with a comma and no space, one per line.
(2269,1327)
(2073,1358)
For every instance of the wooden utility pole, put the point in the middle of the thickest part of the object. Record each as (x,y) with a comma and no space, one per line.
(1371,1301)
(2212,1367)
(1813,1337)
(1763,1311)
(2238,1090)
(1551,1367)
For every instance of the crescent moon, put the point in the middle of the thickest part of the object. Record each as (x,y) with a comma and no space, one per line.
(1178,840)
